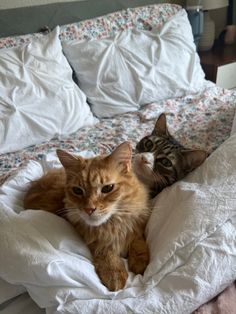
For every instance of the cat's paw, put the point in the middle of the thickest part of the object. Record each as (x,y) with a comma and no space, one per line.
(114,280)
(138,264)
(111,270)
(138,258)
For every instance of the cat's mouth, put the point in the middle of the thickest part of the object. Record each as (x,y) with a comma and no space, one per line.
(143,167)
(95,219)
(143,160)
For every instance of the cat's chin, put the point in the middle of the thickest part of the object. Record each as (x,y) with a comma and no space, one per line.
(95,221)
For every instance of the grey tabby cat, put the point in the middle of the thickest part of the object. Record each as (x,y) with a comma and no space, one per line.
(161,160)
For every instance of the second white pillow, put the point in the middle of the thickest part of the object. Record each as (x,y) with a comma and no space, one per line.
(137,67)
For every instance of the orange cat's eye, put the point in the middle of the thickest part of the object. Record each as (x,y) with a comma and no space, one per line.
(77,190)
(107,188)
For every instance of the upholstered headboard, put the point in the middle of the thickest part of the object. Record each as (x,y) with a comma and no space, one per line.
(30,19)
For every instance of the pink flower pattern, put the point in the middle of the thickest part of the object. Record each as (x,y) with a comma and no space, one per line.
(202,120)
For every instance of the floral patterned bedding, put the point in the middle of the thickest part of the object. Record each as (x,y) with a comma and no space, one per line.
(202,121)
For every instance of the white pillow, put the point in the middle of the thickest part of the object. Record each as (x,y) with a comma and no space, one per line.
(137,67)
(38,98)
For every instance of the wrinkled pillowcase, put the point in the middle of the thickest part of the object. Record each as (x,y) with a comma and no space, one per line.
(38,98)
(137,67)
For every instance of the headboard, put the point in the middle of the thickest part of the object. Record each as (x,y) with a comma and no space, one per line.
(25,20)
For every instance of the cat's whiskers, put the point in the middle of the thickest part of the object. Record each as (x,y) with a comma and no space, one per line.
(72,213)
(63,210)
(122,209)
(74,217)
(128,210)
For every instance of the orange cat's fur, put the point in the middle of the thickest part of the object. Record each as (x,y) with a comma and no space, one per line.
(106,203)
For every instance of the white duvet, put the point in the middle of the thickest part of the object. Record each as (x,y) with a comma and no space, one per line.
(191,234)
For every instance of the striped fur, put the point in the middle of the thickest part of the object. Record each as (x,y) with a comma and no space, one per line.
(161,160)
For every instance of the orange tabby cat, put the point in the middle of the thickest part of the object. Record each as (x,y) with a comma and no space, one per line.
(106,203)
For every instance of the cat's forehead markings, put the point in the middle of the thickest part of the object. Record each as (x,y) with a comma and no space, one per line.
(97,178)
(73,176)
(168,144)
(94,178)
(95,175)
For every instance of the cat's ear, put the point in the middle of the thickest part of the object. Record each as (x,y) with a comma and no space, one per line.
(67,160)
(194,158)
(160,127)
(122,155)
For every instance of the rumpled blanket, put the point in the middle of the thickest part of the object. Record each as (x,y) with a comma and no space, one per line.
(191,234)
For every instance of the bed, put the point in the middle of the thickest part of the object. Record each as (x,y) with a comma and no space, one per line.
(44,265)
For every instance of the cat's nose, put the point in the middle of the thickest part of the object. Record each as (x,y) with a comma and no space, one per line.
(89,211)
(144,159)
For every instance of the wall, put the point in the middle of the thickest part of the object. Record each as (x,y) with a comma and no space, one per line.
(234,14)
(220,18)
(9,4)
